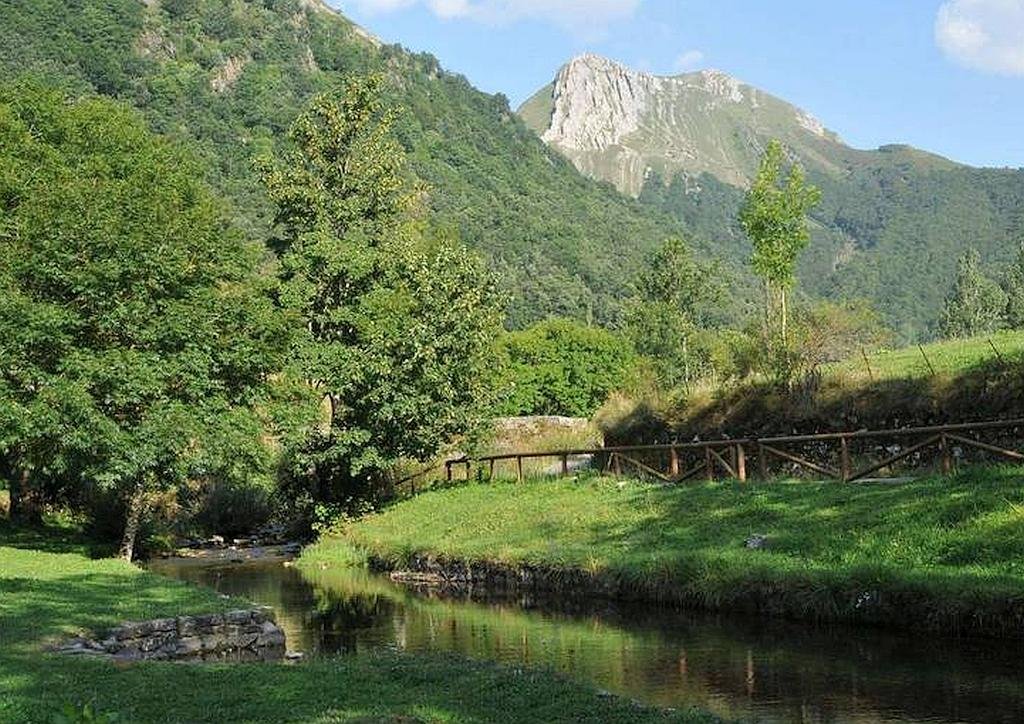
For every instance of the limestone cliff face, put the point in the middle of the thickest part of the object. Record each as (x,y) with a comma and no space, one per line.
(619,125)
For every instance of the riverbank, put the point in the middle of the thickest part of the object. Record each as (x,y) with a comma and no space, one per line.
(936,554)
(51,588)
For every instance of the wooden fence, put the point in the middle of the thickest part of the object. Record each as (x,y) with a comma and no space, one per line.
(842,456)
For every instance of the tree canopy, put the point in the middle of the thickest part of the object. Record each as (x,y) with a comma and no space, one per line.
(560,367)
(399,322)
(976,304)
(136,339)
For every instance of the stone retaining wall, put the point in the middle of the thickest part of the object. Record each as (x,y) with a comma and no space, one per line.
(246,635)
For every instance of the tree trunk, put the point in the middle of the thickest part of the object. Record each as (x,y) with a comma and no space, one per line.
(25,505)
(782,302)
(133,521)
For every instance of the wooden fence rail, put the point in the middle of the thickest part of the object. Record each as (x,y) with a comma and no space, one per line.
(729,457)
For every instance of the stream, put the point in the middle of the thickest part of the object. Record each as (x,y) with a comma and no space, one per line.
(735,666)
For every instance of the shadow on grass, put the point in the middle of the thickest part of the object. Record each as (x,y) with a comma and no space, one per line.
(52,539)
(382,687)
(33,609)
(986,390)
(939,554)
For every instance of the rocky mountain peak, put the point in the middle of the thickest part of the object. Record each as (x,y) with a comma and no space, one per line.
(620,125)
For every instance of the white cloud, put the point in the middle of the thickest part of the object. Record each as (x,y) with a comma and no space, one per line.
(582,17)
(689,60)
(986,35)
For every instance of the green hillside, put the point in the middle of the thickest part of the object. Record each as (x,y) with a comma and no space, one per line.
(229,77)
(892,221)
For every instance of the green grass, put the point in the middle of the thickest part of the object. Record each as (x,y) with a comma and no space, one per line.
(947,357)
(937,553)
(970,382)
(51,587)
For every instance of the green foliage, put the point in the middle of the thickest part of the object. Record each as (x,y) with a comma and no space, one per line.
(828,332)
(559,367)
(399,323)
(135,339)
(667,322)
(70,714)
(563,245)
(976,304)
(889,229)
(1013,286)
(774,217)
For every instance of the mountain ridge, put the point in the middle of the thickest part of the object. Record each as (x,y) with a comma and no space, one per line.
(601,114)
(892,220)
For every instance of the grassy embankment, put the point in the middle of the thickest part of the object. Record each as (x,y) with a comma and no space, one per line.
(51,588)
(943,554)
(954,380)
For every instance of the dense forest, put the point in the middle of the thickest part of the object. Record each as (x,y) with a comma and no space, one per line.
(890,230)
(229,77)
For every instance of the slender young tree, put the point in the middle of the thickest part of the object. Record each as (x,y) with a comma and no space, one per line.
(676,294)
(399,323)
(975,305)
(1013,286)
(774,218)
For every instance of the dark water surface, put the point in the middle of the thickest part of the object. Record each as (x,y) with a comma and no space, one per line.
(737,667)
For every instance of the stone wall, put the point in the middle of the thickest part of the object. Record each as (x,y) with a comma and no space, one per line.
(246,635)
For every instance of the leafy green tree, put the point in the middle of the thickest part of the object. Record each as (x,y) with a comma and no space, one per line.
(976,304)
(136,341)
(774,218)
(1013,286)
(561,367)
(675,304)
(400,323)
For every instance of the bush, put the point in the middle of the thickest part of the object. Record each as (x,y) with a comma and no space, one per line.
(560,367)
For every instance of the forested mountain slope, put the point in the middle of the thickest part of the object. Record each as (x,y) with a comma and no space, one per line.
(229,76)
(892,221)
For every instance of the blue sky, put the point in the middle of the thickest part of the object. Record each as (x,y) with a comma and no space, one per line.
(943,75)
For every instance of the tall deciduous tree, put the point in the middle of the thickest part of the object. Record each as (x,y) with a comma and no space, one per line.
(976,304)
(133,331)
(676,297)
(400,323)
(774,218)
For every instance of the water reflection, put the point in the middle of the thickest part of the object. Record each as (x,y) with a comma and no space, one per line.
(739,667)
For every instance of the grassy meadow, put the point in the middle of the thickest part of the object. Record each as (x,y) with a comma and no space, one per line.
(52,587)
(948,357)
(937,553)
(952,381)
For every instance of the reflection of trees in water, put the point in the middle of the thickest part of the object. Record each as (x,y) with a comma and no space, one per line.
(737,666)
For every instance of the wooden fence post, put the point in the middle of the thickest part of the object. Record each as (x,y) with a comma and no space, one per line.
(616,465)
(519,468)
(947,458)
(709,465)
(448,470)
(844,459)
(565,465)
(762,462)
(741,463)
(673,464)
(468,469)
(491,475)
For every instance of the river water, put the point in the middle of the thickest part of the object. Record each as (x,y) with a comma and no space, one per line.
(737,667)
